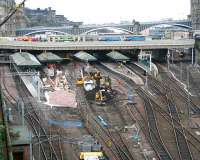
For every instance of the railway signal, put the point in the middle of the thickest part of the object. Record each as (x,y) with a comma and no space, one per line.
(145,58)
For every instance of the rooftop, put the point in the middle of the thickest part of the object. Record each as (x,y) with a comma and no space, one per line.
(117,56)
(24,135)
(85,56)
(49,57)
(25,59)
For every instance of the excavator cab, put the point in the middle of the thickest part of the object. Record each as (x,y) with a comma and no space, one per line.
(107,83)
(101,97)
(79,81)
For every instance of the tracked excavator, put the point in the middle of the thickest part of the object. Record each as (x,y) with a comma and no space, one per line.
(93,82)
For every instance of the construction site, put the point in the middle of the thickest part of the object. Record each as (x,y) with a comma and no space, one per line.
(99,94)
(116,108)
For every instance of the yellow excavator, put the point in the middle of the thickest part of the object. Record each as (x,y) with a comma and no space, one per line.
(80,80)
(104,91)
(87,81)
(94,80)
(101,97)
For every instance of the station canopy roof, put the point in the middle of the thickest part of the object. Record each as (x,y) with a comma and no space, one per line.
(118,56)
(25,59)
(23,135)
(85,56)
(49,57)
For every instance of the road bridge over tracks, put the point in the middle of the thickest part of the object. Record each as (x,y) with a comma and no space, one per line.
(98,45)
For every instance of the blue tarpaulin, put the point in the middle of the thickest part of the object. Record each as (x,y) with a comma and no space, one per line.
(66,123)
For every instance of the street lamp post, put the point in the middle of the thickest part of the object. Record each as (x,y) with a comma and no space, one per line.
(31,147)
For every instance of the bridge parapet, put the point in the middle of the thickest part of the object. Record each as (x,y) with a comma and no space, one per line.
(98,45)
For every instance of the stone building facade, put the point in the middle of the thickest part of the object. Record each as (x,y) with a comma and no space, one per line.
(21,20)
(47,17)
(8,29)
(195,14)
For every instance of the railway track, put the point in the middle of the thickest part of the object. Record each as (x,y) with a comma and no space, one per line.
(183,136)
(194,80)
(46,148)
(191,139)
(7,93)
(117,75)
(179,91)
(154,134)
(140,72)
(155,137)
(181,141)
(182,144)
(116,151)
(180,135)
(38,126)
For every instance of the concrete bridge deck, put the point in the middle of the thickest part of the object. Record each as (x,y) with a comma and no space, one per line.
(98,45)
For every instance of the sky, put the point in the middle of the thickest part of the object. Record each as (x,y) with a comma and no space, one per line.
(114,11)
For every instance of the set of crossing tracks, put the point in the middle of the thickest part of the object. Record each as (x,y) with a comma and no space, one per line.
(154,134)
(46,149)
(181,93)
(182,144)
(182,139)
(113,143)
(154,137)
(173,119)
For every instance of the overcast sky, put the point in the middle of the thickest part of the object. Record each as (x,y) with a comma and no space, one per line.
(107,11)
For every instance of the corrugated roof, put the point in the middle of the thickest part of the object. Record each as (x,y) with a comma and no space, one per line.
(49,56)
(25,59)
(117,56)
(85,56)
